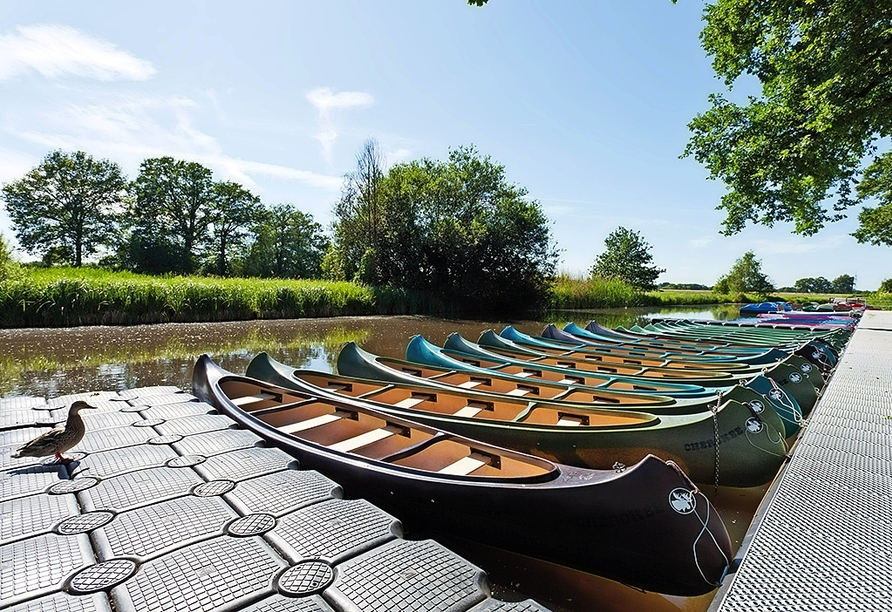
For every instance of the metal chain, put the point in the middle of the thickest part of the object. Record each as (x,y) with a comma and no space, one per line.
(715,426)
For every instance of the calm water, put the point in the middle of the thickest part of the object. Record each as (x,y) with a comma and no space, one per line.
(53,362)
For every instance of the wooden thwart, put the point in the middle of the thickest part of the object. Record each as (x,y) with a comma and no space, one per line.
(251,399)
(363,439)
(463,466)
(468,412)
(409,402)
(309,423)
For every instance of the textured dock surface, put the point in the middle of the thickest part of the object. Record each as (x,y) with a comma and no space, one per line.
(823,537)
(167,507)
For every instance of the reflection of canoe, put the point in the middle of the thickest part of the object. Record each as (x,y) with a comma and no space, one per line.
(646,524)
(751,450)
(780,412)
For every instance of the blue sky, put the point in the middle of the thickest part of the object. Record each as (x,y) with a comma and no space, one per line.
(585,104)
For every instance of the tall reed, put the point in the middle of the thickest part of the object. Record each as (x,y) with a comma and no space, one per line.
(57,297)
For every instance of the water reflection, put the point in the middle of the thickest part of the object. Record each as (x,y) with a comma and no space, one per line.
(52,362)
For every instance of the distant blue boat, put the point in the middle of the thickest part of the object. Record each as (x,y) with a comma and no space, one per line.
(764,308)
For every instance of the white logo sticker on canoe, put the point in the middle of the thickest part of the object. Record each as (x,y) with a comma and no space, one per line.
(816,355)
(757,406)
(753,425)
(805,367)
(776,394)
(682,500)
(795,377)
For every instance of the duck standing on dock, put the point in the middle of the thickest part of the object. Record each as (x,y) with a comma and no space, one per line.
(60,439)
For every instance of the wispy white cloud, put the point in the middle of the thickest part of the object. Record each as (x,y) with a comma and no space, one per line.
(700,243)
(57,50)
(325,100)
(129,130)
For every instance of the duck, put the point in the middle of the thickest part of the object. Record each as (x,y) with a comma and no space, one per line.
(60,439)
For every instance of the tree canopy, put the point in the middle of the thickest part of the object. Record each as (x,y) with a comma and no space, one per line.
(627,257)
(457,228)
(745,276)
(288,244)
(796,152)
(67,207)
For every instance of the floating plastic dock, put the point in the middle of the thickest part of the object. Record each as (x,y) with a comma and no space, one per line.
(167,507)
(822,539)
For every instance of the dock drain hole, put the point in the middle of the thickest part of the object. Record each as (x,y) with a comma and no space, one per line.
(251,525)
(169,439)
(185,461)
(149,422)
(306,578)
(72,486)
(213,488)
(83,523)
(101,576)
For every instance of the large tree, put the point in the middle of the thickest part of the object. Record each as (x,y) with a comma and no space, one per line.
(288,244)
(745,276)
(627,257)
(813,285)
(797,151)
(456,228)
(172,214)
(844,283)
(68,206)
(234,210)
(358,216)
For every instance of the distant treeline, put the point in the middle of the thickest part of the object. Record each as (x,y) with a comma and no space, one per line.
(684,286)
(456,230)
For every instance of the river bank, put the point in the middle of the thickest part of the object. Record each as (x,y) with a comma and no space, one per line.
(70,297)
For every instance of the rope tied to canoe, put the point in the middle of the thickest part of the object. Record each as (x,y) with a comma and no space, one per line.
(704,522)
(785,400)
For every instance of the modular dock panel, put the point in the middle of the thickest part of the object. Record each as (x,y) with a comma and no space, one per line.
(167,507)
(822,539)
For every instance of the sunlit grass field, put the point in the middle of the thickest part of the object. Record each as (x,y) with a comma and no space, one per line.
(51,297)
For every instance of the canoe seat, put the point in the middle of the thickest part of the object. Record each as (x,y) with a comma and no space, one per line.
(469,384)
(525,374)
(339,386)
(309,423)
(251,399)
(463,466)
(409,402)
(468,412)
(518,392)
(363,439)
(571,420)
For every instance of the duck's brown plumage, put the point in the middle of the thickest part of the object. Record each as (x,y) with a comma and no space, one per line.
(58,440)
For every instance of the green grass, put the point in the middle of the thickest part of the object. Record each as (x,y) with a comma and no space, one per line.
(63,297)
(57,297)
